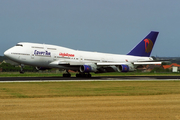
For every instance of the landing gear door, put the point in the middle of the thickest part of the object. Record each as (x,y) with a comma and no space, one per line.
(32,55)
(81,59)
(54,56)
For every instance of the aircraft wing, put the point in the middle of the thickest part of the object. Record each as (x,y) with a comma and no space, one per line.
(135,63)
(66,63)
(104,63)
(102,66)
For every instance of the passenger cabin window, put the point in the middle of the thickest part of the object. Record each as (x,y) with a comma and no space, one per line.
(19,45)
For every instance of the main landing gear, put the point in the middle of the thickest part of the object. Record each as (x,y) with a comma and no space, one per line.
(67,74)
(79,75)
(83,75)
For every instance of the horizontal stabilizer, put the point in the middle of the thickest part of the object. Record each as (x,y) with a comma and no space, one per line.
(146,63)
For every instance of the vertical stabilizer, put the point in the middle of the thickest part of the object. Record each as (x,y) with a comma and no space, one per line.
(145,47)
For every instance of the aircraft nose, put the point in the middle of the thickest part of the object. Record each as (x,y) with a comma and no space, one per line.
(7,53)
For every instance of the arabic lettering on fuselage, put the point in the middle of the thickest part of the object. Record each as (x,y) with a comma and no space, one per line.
(66,54)
(43,53)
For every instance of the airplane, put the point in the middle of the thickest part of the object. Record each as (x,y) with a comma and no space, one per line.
(84,62)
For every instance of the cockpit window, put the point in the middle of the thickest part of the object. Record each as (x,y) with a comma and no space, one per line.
(19,45)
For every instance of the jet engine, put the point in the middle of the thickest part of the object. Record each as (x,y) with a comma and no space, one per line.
(88,68)
(125,68)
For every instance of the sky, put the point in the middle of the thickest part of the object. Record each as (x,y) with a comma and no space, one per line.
(109,26)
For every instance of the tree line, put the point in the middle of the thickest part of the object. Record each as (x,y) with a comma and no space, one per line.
(7,67)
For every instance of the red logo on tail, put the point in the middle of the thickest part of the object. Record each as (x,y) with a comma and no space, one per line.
(148,45)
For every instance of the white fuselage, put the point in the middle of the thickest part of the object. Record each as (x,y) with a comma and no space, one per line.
(44,55)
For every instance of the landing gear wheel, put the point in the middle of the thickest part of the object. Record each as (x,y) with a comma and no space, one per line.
(78,75)
(89,75)
(22,72)
(66,75)
(83,75)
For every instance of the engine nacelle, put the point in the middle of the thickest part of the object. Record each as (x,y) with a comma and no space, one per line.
(88,68)
(125,68)
(42,68)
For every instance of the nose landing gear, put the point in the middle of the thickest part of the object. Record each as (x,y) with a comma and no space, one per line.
(22,71)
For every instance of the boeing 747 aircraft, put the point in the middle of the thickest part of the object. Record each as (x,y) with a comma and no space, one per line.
(52,56)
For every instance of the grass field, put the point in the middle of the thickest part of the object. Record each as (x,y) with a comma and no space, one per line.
(103,100)
(93,88)
(53,74)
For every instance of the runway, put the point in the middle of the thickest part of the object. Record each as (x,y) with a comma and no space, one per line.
(102,78)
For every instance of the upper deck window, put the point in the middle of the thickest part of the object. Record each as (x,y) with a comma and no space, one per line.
(51,48)
(19,45)
(37,47)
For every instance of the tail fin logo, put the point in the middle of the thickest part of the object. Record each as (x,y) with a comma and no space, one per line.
(148,45)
